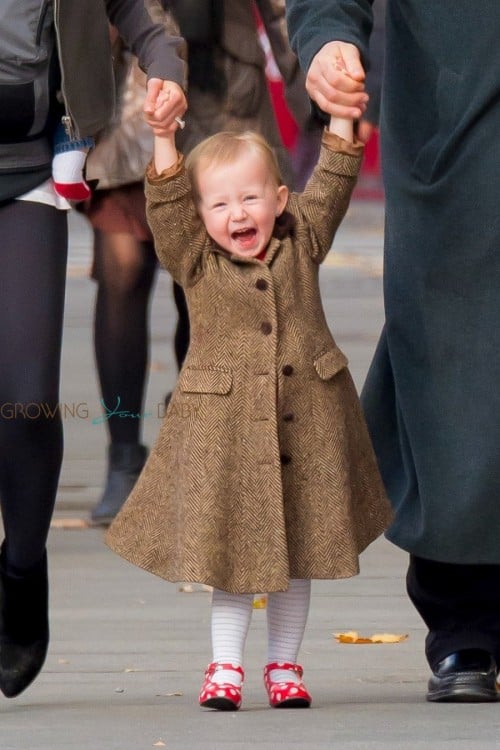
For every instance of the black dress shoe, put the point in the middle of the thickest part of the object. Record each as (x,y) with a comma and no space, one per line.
(467,676)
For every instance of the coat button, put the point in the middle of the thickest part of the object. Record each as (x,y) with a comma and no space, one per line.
(266,327)
(285,459)
(288,417)
(261,285)
(287,370)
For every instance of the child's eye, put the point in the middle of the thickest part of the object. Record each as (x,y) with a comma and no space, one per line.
(218,205)
(250,197)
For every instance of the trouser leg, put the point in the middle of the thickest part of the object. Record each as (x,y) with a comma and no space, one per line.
(460,604)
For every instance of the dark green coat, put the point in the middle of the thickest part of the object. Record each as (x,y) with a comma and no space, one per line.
(432,396)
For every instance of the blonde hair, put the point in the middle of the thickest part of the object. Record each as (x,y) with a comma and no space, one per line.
(225,147)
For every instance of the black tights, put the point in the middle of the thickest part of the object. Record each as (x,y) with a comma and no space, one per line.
(124,269)
(33,251)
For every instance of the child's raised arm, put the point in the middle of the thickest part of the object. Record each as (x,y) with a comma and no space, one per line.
(342,127)
(165,153)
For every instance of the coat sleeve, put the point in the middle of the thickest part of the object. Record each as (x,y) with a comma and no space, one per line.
(320,209)
(158,52)
(377,54)
(312,24)
(179,236)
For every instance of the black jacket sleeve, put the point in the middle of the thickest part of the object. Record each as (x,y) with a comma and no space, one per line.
(312,24)
(157,52)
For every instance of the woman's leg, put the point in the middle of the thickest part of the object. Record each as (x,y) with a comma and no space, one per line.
(124,269)
(32,281)
(32,284)
(125,272)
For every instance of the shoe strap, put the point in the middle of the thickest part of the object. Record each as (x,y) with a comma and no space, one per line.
(217,666)
(283,665)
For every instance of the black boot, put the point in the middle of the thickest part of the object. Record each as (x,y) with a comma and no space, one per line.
(125,462)
(24,625)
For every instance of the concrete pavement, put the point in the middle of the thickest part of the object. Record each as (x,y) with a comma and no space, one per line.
(128,650)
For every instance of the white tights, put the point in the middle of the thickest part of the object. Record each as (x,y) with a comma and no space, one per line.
(287,613)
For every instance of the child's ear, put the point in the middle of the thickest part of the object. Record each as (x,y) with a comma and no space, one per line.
(282,199)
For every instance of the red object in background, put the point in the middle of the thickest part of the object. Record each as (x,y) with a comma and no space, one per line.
(287,126)
(369,184)
(371,161)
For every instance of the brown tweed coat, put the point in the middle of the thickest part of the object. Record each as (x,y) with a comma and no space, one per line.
(263,470)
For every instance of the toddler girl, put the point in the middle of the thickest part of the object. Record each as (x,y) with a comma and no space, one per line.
(263,476)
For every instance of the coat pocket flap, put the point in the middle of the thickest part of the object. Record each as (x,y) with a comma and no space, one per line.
(201,380)
(328,364)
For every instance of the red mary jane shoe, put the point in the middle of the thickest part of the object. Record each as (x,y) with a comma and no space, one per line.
(225,697)
(286,694)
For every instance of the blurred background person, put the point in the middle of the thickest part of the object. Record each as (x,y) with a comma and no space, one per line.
(124,269)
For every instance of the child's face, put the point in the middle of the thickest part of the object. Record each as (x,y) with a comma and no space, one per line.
(239,203)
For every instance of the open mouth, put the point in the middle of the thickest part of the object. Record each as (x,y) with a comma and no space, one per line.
(244,237)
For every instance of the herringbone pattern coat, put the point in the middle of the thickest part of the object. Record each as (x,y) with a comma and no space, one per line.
(263,470)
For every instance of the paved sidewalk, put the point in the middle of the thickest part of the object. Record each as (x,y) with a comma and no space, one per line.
(128,650)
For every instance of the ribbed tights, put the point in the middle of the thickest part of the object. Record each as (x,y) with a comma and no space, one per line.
(287,613)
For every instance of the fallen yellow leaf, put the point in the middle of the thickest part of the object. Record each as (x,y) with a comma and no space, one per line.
(69,523)
(353,637)
(389,637)
(260,602)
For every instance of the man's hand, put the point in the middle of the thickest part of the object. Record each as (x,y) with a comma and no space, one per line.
(335,81)
(165,100)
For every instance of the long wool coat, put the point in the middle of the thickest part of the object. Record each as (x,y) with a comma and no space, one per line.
(432,397)
(263,470)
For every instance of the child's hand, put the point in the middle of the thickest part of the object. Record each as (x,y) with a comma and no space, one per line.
(342,126)
(164,106)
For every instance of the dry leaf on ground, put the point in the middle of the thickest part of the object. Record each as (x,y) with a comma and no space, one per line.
(353,637)
(260,602)
(188,588)
(69,523)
